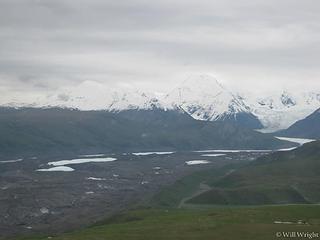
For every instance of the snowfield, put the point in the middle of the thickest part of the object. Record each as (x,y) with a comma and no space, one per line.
(12,161)
(233,151)
(151,153)
(56,169)
(81,160)
(301,141)
(96,179)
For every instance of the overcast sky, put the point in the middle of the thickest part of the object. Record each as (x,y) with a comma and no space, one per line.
(49,44)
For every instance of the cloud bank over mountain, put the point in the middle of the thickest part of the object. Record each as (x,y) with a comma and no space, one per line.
(152,45)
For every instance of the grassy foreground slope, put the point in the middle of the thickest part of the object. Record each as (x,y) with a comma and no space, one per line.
(176,194)
(259,223)
(279,178)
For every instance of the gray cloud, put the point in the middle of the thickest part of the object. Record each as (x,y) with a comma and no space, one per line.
(45,45)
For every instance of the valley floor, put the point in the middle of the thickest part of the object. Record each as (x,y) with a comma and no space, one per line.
(33,202)
(141,196)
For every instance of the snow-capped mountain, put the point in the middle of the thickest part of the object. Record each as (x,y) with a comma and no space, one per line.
(94,96)
(134,100)
(280,110)
(204,98)
(201,96)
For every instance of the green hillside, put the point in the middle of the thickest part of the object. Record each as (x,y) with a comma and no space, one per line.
(279,178)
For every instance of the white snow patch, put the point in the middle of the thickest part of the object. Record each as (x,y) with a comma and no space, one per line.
(280,222)
(196,162)
(301,141)
(96,179)
(81,160)
(44,210)
(286,149)
(233,151)
(57,169)
(12,161)
(212,155)
(151,153)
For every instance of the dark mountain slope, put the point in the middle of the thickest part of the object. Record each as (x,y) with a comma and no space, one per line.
(279,178)
(32,131)
(243,119)
(305,128)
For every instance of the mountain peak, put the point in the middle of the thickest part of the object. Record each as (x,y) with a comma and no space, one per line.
(204,98)
(287,99)
(197,87)
(202,81)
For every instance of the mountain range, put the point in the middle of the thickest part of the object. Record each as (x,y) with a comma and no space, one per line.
(201,96)
(55,131)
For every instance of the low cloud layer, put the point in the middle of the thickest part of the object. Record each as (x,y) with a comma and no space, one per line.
(153,45)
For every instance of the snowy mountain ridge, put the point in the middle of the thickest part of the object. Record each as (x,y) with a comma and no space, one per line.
(282,109)
(204,98)
(94,96)
(201,96)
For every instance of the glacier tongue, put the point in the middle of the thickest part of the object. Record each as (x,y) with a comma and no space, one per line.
(279,110)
